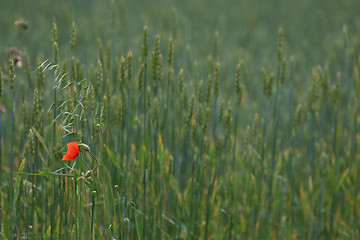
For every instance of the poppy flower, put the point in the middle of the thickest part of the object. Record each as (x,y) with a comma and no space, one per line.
(72,152)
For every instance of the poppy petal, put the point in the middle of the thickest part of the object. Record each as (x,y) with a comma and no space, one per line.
(72,152)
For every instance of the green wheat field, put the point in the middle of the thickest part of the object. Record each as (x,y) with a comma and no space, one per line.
(195,119)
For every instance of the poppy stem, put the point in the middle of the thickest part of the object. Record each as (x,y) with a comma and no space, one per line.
(87,165)
(76,210)
(94,158)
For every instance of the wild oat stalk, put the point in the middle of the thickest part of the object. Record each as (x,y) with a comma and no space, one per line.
(55,63)
(275,116)
(238,91)
(12,88)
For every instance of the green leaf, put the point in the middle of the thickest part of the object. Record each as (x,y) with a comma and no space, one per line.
(41,140)
(2,236)
(17,183)
(343,177)
(114,160)
(49,174)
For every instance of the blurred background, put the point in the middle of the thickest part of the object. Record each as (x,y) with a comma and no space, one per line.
(245,26)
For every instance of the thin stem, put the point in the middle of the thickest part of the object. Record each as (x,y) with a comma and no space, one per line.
(11,167)
(144,201)
(144,96)
(208,205)
(53,157)
(232,176)
(318,224)
(92,215)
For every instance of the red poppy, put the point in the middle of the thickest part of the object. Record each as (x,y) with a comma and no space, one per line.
(72,152)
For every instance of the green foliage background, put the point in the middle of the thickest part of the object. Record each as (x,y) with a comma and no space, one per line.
(274,155)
